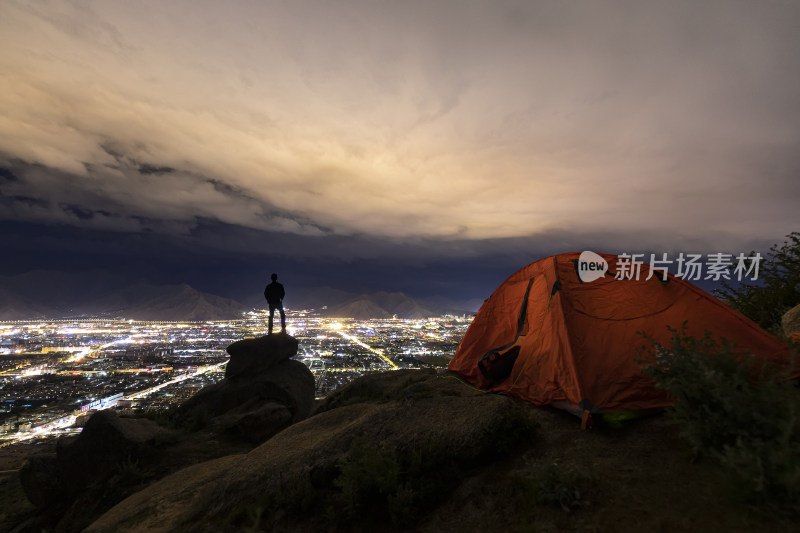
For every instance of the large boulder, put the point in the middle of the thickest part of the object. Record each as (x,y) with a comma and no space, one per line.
(263,392)
(791,322)
(41,479)
(386,444)
(107,445)
(254,356)
(106,441)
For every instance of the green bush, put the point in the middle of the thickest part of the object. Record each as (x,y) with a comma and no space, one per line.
(776,291)
(737,409)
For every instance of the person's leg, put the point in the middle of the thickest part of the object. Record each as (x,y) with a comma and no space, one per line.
(271,314)
(283,320)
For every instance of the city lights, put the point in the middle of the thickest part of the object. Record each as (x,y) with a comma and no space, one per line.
(53,373)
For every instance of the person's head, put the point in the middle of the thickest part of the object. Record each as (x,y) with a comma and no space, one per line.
(274,277)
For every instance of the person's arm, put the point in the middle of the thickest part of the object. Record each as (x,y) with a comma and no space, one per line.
(283,293)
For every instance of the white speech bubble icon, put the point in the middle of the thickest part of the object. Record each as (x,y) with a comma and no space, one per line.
(591,266)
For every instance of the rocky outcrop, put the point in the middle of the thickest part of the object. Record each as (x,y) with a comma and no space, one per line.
(107,445)
(388,444)
(791,322)
(253,356)
(263,392)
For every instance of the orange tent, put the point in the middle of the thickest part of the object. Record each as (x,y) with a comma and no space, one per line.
(549,337)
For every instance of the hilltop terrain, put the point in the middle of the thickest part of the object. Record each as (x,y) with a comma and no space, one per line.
(420,450)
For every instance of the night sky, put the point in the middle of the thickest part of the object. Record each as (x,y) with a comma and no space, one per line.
(429,147)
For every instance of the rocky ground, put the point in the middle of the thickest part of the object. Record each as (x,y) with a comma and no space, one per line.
(421,451)
(408,450)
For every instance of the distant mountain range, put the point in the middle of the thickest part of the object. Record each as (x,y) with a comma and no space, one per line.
(337,303)
(333,302)
(54,294)
(50,294)
(380,305)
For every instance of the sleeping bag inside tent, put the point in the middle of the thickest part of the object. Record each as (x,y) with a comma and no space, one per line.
(549,337)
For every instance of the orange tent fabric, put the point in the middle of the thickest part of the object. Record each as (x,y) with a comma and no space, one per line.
(549,338)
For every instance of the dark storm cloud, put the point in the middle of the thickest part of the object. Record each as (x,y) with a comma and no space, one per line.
(82,214)
(10,201)
(416,129)
(122,197)
(152,169)
(7,175)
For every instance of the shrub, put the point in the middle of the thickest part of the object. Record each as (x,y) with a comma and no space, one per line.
(129,473)
(367,476)
(403,484)
(777,290)
(737,409)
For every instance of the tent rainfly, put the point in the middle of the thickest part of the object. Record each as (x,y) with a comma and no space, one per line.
(549,336)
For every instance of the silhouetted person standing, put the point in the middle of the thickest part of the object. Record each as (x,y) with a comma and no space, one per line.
(274,294)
